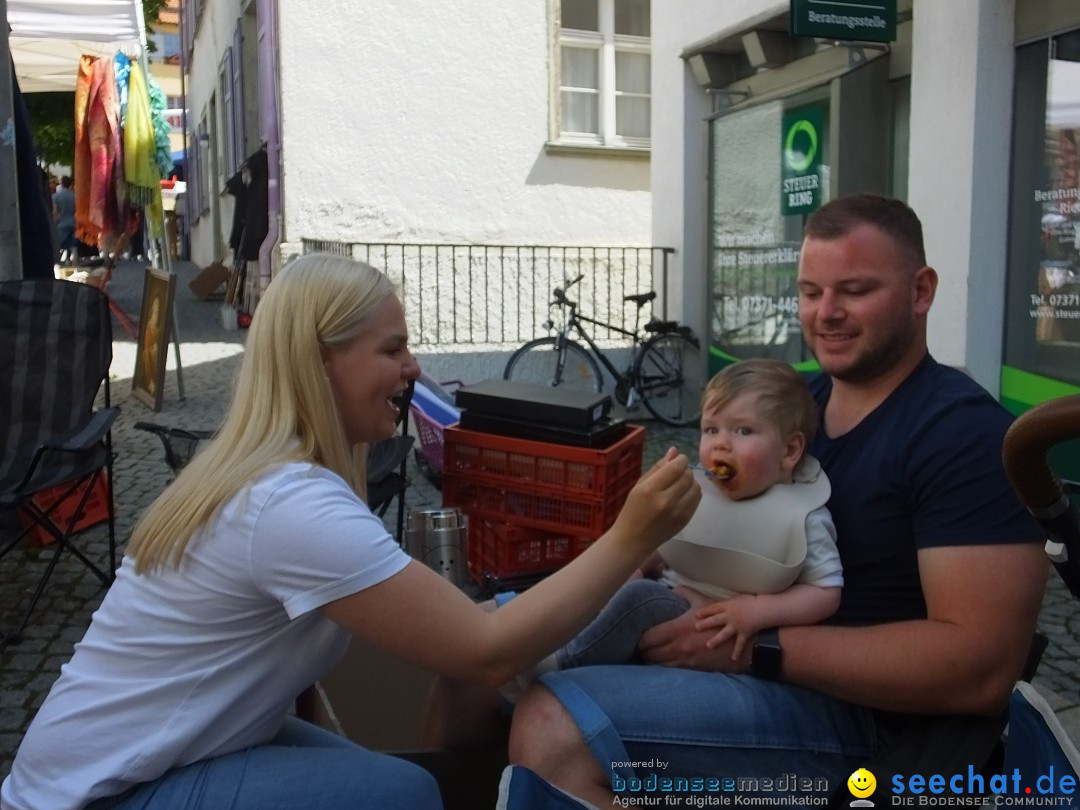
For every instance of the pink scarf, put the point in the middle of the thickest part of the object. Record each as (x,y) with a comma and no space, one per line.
(107,189)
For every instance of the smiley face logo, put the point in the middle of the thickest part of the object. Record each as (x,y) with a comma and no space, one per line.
(862,783)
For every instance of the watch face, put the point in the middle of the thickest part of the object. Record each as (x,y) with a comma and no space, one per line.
(766,656)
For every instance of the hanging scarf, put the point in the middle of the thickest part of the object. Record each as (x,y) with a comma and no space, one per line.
(162,128)
(122,67)
(107,194)
(85,231)
(140,170)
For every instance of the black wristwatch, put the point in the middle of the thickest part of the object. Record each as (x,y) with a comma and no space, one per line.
(766,656)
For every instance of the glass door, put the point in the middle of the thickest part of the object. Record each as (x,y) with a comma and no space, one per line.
(769,167)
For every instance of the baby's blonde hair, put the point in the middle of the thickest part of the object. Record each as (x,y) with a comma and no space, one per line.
(783,397)
(282,409)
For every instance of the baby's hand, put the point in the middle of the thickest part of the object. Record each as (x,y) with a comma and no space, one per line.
(737,617)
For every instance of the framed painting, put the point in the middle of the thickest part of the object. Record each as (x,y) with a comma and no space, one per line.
(155,325)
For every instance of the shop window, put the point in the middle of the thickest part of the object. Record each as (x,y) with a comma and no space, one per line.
(1042,338)
(769,166)
(603,69)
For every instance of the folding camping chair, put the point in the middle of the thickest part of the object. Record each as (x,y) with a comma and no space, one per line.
(56,452)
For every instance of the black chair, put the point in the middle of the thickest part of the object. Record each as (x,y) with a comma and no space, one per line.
(386,478)
(56,344)
(179,444)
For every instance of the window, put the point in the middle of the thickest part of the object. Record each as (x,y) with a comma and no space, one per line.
(166,48)
(174,113)
(604,73)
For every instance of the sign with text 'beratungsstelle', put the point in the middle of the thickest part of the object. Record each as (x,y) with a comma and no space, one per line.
(865,20)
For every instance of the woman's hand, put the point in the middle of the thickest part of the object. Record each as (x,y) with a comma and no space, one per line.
(661,502)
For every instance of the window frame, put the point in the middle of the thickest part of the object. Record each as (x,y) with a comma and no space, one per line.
(607,44)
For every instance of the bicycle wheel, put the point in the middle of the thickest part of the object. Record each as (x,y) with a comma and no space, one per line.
(541,363)
(670,374)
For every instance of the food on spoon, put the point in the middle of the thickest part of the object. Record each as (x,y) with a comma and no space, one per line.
(722,471)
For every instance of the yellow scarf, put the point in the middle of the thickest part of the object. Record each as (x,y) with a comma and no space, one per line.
(140,170)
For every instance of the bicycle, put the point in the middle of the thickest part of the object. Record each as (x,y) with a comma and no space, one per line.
(666,372)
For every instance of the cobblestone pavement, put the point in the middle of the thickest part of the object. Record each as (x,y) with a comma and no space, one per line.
(210,356)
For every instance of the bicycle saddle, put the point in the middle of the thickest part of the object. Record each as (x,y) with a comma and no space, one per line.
(641,299)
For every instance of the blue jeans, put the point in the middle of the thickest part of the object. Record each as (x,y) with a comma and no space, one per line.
(613,636)
(304,766)
(684,723)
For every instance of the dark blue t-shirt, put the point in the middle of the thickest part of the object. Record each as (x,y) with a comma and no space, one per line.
(922,470)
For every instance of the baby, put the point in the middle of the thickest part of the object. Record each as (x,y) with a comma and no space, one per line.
(762,542)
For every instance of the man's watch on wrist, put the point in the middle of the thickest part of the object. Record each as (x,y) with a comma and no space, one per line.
(766,656)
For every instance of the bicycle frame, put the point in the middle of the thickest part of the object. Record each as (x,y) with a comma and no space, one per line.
(574,323)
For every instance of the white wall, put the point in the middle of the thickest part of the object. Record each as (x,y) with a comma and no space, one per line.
(959,172)
(427,122)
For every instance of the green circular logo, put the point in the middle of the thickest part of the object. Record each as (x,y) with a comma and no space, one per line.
(800,160)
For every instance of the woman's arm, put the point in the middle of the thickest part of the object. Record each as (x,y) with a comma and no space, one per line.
(420,617)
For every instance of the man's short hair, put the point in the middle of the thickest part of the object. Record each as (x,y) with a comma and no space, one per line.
(784,400)
(839,217)
(65,181)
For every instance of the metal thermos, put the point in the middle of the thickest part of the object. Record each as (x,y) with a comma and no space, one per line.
(437,538)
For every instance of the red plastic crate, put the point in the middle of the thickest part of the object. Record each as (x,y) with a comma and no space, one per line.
(95,510)
(502,550)
(574,490)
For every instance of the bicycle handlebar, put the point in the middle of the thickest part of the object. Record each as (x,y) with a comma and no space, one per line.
(560,294)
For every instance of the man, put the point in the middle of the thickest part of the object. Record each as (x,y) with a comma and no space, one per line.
(64,215)
(943,570)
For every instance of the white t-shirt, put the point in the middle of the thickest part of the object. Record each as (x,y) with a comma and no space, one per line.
(184,665)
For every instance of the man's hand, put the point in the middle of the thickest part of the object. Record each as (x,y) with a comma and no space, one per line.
(677,643)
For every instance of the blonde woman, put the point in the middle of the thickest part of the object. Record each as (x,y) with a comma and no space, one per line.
(244,581)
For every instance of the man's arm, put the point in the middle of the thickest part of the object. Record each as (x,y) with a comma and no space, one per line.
(982,603)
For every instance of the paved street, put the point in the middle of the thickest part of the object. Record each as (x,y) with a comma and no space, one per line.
(210,356)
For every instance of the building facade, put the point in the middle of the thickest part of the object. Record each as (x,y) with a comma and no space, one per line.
(425,123)
(968,113)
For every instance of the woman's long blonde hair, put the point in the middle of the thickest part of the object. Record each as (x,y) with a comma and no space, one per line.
(282,408)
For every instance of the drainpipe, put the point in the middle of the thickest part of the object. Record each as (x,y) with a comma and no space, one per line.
(266,13)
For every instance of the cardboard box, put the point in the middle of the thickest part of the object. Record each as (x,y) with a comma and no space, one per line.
(208,280)
(379,702)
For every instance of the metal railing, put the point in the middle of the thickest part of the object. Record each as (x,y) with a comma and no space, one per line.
(498,296)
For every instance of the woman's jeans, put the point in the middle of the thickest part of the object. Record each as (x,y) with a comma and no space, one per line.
(303,767)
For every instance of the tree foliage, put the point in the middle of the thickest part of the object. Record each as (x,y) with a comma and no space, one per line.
(52,120)
(52,115)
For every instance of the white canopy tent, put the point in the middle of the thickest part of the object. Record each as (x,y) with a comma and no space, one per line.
(49,36)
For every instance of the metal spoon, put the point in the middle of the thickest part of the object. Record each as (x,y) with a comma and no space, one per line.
(710,474)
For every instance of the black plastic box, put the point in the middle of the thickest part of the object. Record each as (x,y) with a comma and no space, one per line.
(539,404)
(599,436)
